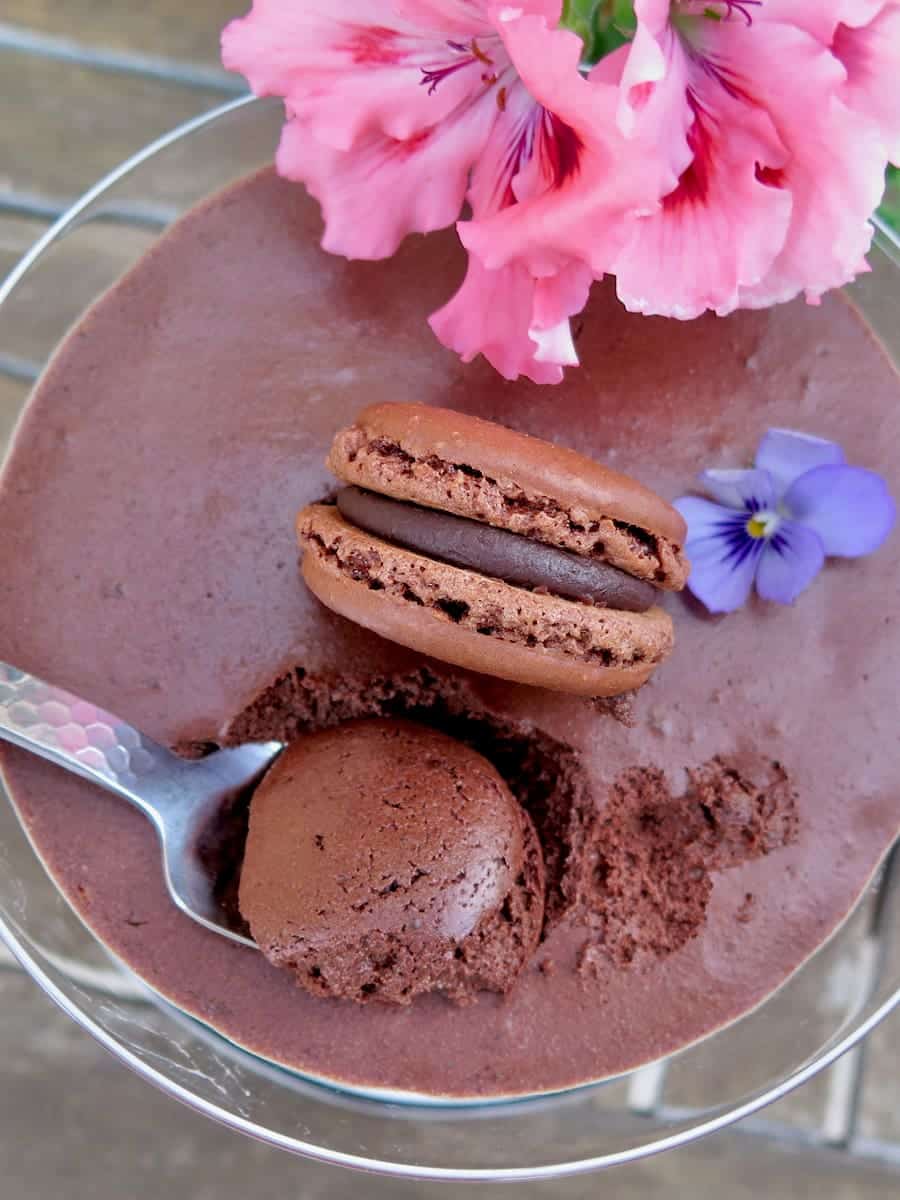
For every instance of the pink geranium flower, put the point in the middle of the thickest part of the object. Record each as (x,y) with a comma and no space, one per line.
(729,154)
(400,111)
(776,118)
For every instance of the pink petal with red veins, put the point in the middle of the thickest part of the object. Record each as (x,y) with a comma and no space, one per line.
(870,55)
(555,345)
(834,172)
(359,67)
(820,18)
(653,113)
(456,15)
(646,63)
(518,321)
(448,17)
(864,35)
(723,224)
(550,10)
(375,194)
(570,194)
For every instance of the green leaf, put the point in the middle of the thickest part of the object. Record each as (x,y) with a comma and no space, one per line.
(602,25)
(890,204)
(578,15)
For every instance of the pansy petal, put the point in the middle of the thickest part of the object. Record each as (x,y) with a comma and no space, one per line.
(791,560)
(723,584)
(787,454)
(705,518)
(849,508)
(747,490)
(723,556)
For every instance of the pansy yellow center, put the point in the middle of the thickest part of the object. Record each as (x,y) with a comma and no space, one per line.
(763,524)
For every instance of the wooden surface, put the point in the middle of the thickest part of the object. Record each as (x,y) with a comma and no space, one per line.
(63,125)
(84,265)
(16,235)
(86,83)
(12,395)
(182,29)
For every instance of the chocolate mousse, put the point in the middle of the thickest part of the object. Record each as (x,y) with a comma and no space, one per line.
(384,860)
(163,458)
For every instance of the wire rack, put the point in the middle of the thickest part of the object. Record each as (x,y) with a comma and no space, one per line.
(837,1134)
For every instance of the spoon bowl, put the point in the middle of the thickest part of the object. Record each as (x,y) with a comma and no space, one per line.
(182,799)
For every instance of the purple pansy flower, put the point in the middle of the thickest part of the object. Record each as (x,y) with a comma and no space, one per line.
(775,523)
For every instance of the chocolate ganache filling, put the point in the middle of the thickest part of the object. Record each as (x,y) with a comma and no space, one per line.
(495,552)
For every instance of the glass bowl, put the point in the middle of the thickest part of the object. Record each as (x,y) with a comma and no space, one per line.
(825,1008)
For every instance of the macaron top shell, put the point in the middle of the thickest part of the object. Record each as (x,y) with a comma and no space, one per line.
(532,480)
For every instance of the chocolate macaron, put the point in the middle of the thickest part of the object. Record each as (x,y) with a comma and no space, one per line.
(495,551)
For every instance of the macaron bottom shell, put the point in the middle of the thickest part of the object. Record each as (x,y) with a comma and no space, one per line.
(474,621)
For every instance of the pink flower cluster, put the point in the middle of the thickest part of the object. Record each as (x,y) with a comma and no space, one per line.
(729,154)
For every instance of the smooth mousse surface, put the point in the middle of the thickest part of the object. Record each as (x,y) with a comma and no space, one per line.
(149,562)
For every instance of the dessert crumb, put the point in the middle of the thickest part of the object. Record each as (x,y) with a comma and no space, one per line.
(644,875)
(194,750)
(591,961)
(620,708)
(660,722)
(744,913)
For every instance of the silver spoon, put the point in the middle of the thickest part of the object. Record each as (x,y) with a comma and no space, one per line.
(181,798)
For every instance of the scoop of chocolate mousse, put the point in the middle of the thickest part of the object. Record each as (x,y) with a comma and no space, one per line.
(385,860)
